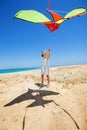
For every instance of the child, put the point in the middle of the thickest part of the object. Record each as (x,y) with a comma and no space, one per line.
(45,67)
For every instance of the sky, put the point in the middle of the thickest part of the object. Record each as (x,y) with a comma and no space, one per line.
(21,42)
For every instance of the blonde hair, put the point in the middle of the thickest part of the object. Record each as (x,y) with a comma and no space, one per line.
(44,51)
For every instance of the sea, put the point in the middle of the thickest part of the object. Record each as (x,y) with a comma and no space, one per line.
(13,70)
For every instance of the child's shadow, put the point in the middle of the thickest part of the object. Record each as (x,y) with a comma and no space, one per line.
(40,85)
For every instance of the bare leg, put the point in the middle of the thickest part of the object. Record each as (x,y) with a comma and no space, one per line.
(48,80)
(42,79)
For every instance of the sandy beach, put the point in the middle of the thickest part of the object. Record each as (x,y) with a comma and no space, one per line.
(62,106)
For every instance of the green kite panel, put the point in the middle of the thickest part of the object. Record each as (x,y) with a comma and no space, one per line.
(32,16)
(75,12)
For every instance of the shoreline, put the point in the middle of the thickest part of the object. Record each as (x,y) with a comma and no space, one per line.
(16,70)
(36,68)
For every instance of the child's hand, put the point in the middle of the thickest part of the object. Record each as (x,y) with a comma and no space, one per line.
(49,49)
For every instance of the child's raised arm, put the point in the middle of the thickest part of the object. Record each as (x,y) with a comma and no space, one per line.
(48,53)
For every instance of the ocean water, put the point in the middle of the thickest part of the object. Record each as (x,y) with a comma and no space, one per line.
(3,71)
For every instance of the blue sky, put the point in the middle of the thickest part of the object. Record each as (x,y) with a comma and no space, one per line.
(21,42)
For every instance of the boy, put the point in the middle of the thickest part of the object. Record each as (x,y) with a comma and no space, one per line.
(45,67)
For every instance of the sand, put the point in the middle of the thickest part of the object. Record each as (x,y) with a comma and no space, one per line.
(62,106)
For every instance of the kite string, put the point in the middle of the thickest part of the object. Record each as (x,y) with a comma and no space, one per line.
(48,5)
(59,11)
(48,8)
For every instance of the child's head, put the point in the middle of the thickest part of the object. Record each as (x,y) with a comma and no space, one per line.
(43,54)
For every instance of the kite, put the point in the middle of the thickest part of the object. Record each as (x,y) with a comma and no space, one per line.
(37,17)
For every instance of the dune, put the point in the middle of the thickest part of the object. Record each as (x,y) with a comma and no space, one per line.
(62,106)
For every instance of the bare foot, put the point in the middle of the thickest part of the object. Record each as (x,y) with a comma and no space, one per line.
(48,85)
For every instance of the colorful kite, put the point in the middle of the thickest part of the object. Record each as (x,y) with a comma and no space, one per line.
(37,17)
